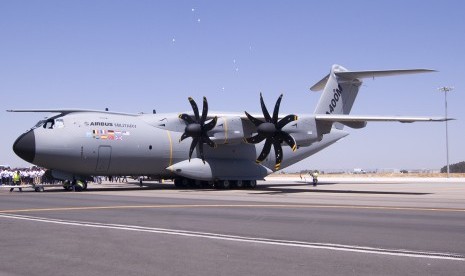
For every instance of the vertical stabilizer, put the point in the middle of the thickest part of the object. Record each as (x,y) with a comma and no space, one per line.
(339,93)
(340,88)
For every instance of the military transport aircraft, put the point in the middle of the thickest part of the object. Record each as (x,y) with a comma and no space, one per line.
(241,147)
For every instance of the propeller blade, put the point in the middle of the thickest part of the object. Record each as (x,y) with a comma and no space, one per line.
(201,151)
(278,151)
(186,118)
(264,110)
(193,144)
(254,120)
(184,136)
(255,139)
(208,141)
(195,108)
(210,125)
(286,137)
(276,110)
(204,111)
(286,120)
(265,151)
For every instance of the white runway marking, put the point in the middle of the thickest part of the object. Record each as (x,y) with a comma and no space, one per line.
(290,243)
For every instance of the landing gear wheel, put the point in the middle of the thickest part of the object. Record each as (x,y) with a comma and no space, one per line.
(78,185)
(225,184)
(251,184)
(178,182)
(67,185)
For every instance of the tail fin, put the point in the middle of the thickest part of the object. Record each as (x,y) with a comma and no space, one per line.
(339,93)
(340,88)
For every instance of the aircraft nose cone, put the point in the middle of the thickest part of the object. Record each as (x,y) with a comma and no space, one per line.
(25,146)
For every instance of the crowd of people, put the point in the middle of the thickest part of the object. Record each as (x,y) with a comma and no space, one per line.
(28,176)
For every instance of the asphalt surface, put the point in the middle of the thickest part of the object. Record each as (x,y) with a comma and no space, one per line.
(282,227)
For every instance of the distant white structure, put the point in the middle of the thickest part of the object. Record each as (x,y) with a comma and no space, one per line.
(389,170)
(359,171)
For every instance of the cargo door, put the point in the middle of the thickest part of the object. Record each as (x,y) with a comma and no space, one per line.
(104,158)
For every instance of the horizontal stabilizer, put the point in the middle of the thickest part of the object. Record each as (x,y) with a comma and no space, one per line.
(320,85)
(340,118)
(351,75)
(383,73)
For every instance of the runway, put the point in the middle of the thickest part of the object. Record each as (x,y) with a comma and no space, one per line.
(283,227)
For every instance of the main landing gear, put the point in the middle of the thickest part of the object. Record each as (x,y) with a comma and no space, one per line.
(217,184)
(75,185)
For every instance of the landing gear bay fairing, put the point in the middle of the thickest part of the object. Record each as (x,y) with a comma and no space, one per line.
(221,148)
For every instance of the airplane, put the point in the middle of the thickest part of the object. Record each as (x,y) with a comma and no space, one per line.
(241,148)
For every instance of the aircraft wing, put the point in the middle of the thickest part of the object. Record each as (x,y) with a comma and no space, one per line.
(346,118)
(65,111)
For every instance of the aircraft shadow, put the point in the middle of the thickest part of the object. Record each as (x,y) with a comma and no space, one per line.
(282,189)
(275,188)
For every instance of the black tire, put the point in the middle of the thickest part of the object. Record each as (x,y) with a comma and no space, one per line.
(78,186)
(67,185)
(225,184)
(178,182)
(252,184)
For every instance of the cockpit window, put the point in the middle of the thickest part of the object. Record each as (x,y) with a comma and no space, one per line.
(59,123)
(39,124)
(51,123)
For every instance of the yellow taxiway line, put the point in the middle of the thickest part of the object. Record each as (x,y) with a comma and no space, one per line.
(300,206)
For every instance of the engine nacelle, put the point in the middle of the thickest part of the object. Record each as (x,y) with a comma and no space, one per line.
(228,130)
(304,131)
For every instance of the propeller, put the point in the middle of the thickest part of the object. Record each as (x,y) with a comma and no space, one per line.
(271,131)
(197,129)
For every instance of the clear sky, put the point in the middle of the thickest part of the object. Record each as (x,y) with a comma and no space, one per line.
(135,56)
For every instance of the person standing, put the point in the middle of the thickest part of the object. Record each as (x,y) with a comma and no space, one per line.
(16,181)
(315,177)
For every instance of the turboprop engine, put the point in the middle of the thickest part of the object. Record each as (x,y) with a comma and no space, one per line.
(304,130)
(228,130)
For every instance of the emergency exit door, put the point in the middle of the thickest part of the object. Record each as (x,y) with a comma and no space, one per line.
(104,158)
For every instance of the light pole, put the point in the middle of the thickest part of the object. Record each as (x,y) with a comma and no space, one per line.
(446,89)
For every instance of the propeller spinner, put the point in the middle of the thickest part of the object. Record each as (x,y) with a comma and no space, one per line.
(271,131)
(197,129)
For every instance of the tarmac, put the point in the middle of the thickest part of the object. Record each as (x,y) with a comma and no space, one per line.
(283,227)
